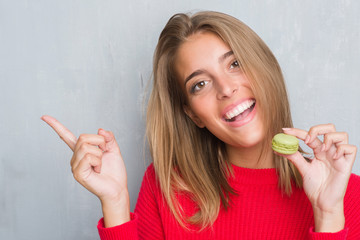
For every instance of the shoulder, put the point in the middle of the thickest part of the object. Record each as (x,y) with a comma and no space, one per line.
(352,207)
(352,202)
(150,175)
(149,182)
(352,191)
(355,178)
(353,185)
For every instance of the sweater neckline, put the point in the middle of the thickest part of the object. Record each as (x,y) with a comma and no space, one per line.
(249,176)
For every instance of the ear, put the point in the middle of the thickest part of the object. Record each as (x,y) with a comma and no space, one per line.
(193,116)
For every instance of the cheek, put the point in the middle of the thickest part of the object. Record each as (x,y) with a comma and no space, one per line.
(202,109)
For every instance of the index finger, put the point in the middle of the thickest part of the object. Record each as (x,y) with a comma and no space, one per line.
(302,134)
(64,133)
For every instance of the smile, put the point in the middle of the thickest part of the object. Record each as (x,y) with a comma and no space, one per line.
(240,111)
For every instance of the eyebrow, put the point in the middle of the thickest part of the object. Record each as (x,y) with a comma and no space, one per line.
(199,72)
(226,55)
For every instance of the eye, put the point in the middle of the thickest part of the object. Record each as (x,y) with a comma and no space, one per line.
(198,86)
(234,64)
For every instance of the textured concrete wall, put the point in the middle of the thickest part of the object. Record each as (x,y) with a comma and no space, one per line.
(87,63)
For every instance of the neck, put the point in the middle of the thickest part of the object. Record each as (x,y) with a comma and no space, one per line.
(250,157)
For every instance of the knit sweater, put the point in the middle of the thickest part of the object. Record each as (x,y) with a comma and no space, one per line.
(258,211)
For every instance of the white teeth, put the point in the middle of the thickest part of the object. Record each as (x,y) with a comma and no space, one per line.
(239,109)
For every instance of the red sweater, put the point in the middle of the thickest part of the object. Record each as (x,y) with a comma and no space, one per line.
(259,211)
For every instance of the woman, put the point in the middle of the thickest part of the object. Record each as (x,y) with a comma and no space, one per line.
(218,98)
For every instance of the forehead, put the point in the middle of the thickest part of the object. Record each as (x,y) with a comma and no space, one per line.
(200,51)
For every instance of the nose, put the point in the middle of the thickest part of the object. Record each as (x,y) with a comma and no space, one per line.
(226,87)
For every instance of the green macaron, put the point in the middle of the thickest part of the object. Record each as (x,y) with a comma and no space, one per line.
(285,144)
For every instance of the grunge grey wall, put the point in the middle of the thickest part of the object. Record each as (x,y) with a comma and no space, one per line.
(88,62)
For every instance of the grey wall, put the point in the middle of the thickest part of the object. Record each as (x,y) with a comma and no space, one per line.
(87,63)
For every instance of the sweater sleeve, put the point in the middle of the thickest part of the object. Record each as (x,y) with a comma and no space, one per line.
(145,223)
(341,235)
(124,231)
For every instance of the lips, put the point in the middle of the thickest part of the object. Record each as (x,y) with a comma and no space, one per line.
(239,109)
(240,113)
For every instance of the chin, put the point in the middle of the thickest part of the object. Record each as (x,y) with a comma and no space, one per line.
(250,140)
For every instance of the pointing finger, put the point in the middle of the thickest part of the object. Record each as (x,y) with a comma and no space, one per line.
(67,136)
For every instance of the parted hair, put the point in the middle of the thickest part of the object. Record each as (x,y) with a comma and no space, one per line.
(191,160)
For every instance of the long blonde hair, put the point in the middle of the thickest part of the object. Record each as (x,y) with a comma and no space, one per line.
(191,160)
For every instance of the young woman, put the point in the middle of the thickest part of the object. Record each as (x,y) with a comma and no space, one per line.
(217,100)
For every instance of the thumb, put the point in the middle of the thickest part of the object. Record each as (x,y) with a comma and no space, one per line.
(110,141)
(299,161)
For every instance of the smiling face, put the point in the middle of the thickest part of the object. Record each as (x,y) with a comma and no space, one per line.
(218,93)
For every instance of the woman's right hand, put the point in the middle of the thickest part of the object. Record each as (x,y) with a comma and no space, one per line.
(98,166)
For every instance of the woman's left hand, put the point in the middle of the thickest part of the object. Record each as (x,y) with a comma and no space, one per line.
(325,178)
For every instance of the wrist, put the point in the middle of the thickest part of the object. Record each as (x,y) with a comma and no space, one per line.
(329,221)
(116,211)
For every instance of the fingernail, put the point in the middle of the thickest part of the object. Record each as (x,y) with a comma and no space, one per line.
(285,129)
